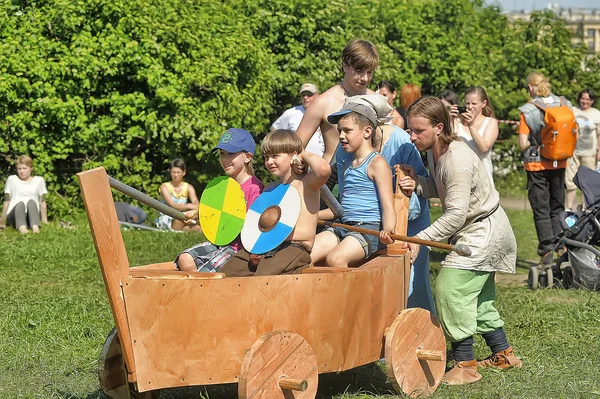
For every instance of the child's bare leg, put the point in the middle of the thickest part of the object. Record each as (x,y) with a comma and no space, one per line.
(325,241)
(348,251)
(195,228)
(186,263)
(177,225)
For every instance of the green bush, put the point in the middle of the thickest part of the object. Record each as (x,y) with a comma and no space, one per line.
(130,85)
(127,85)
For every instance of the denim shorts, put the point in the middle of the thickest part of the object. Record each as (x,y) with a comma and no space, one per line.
(369,243)
(208,257)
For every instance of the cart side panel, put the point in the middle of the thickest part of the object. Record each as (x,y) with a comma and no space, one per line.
(102,216)
(195,332)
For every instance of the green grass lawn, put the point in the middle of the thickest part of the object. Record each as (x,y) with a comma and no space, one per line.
(54,317)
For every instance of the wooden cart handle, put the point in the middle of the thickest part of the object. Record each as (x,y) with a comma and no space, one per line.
(423,354)
(292,384)
(460,249)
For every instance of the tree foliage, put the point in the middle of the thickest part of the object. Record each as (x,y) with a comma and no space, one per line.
(129,85)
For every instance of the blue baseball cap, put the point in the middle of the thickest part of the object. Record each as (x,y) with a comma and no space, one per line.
(236,140)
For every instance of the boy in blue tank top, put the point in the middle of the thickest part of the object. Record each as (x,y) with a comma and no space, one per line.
(366,192)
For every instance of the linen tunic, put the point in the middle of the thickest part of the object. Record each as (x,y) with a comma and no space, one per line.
(472,214)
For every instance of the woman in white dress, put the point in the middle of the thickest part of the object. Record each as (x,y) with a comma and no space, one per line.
(586,151)
(24,204)
(478,127)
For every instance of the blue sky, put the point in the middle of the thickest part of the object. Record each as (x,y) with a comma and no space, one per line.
(509,5)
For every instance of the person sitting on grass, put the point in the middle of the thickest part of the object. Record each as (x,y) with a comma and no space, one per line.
(282,148)
(236,151)
(24,204)
(179,195)
(365,190)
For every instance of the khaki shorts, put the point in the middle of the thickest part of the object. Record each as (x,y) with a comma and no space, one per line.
(573,165)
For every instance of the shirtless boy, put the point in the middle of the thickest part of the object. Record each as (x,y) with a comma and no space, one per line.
(359,60)
(281,148)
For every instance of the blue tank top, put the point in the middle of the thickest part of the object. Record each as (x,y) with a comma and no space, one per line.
(359,196)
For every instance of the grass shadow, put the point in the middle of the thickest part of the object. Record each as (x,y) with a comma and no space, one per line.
(369,379)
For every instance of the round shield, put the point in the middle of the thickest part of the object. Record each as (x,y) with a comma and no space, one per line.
(271,218)
(222,210)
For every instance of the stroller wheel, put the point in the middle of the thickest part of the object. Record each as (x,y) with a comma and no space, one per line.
(547,277)
(567,276)
(533,278)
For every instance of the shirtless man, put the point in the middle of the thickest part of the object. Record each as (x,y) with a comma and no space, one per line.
(281,149)
(359,60)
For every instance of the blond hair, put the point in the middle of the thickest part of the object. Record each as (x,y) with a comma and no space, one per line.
(434,110)
(409,93)
(539,84)
(281,142)
(360,55)
(488,110)
(25,160)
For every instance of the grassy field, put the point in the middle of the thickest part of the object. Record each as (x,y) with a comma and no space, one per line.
(54,317)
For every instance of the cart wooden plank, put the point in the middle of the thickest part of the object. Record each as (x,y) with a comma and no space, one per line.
(195,332)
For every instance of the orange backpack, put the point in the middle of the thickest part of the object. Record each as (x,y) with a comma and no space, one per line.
(559,134)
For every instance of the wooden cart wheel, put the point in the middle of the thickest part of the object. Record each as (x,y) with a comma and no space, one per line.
(112,373)
(415,352)
(279,364)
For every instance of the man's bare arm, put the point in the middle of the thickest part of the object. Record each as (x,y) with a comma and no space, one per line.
(313,116)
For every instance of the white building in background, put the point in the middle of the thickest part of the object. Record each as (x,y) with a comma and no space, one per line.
(584,22)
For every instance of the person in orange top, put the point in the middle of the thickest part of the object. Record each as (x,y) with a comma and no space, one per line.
(545,178)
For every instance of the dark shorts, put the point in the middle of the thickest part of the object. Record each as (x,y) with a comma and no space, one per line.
(369,243)
(208,257)
(288,258)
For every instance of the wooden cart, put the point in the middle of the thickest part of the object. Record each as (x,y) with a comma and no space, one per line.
(271,334)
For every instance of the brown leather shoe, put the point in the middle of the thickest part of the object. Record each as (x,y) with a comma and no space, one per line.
(462,373)
(505,359)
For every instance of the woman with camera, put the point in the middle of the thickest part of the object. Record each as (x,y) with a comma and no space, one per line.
(586,151)
(477,125)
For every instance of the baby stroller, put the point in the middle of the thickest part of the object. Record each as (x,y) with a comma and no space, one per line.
(579,264)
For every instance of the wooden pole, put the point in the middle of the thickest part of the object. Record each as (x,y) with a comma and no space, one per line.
(460,249)
(423,354)
(293,385)
(146,199)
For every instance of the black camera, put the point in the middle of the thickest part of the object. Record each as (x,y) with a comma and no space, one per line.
(462,110)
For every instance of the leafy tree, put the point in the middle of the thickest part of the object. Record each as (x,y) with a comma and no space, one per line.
(129,85)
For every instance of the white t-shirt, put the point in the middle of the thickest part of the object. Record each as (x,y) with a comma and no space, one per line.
(290,120)
(486,157)
(589,122)
(24,191)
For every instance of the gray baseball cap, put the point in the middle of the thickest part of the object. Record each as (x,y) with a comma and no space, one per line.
(372,106)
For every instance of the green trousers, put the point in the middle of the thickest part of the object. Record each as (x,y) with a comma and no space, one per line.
(464,300)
